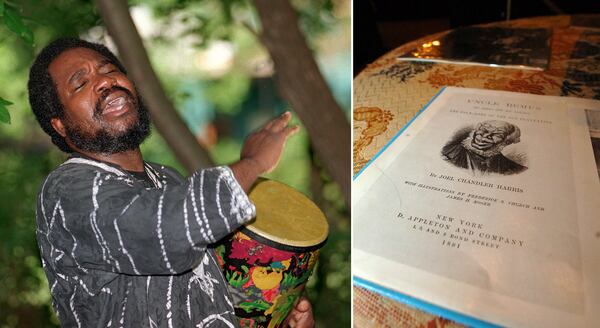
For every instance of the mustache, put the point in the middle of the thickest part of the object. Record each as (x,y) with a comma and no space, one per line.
(107,92)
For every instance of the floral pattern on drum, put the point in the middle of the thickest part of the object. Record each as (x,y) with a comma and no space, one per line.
(264,281)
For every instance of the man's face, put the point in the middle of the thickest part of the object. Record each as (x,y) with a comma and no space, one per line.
(489,135)
(102,111)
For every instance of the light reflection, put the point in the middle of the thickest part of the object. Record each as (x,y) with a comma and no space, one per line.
(428,50)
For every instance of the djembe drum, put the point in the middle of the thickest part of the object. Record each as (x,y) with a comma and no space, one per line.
(268,262)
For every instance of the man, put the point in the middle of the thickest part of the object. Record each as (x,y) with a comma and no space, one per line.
(480,150)
(124,242)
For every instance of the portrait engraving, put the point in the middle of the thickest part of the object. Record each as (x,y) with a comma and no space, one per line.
(479,149)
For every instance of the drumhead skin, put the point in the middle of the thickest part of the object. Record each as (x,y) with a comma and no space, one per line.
(287,217)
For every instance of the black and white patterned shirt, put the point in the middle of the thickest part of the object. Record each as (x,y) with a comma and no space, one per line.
(120,253)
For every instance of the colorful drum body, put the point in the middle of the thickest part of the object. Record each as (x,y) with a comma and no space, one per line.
(268,262)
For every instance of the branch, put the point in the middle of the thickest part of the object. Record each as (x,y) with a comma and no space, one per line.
(117,19)
(301,84)
(252,30)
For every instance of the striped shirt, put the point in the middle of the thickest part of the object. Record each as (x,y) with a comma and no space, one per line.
(120,253)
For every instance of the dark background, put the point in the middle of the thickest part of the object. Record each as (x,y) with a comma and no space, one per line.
(382,25)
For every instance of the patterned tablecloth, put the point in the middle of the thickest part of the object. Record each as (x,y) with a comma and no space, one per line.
(388,93)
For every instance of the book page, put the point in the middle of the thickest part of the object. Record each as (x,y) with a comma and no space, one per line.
(483,196)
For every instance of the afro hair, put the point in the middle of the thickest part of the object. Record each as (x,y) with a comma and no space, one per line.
(43,96)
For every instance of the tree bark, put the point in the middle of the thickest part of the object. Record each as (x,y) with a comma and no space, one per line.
(303,87)
(169,124)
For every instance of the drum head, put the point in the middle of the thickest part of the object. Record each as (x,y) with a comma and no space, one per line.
(286,216)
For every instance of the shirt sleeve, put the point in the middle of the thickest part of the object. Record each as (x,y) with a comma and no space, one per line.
(94,220)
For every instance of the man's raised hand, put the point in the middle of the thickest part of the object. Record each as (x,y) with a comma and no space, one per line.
(265,146)
(262,150)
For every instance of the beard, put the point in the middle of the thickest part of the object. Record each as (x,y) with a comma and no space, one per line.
(106,142)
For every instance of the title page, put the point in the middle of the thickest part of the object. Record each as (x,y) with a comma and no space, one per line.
(479,192)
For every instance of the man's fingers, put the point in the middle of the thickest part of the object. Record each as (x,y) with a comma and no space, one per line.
(291,130)
(269,124)
(301,315)
(292,323)
(266,145)
(303,305)
(280,122)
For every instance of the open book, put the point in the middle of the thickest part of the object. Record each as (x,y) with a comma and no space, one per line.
(485,209)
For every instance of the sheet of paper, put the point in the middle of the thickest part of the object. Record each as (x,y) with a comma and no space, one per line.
(474,208)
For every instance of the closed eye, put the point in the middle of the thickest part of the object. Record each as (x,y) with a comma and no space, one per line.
(80,86)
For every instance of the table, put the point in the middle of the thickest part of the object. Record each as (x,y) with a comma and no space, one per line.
(388,93)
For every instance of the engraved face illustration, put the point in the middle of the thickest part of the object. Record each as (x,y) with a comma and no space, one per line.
(488,134)
(479,148)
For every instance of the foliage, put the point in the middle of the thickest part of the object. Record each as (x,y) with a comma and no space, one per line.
(24,297)
(12,20)
(4,114)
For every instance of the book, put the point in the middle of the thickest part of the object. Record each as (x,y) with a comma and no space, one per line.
(524,48)
(485,209)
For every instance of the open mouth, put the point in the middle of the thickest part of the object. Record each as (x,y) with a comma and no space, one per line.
(481,145)
(115,103)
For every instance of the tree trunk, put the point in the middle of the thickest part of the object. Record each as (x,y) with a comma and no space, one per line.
(169,124)
(303,87)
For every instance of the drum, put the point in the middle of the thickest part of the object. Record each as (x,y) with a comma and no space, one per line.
(268,262)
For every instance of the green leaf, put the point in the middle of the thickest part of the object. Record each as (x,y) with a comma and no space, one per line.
(4,102)
(4,114)
(14,23)
(1,8)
